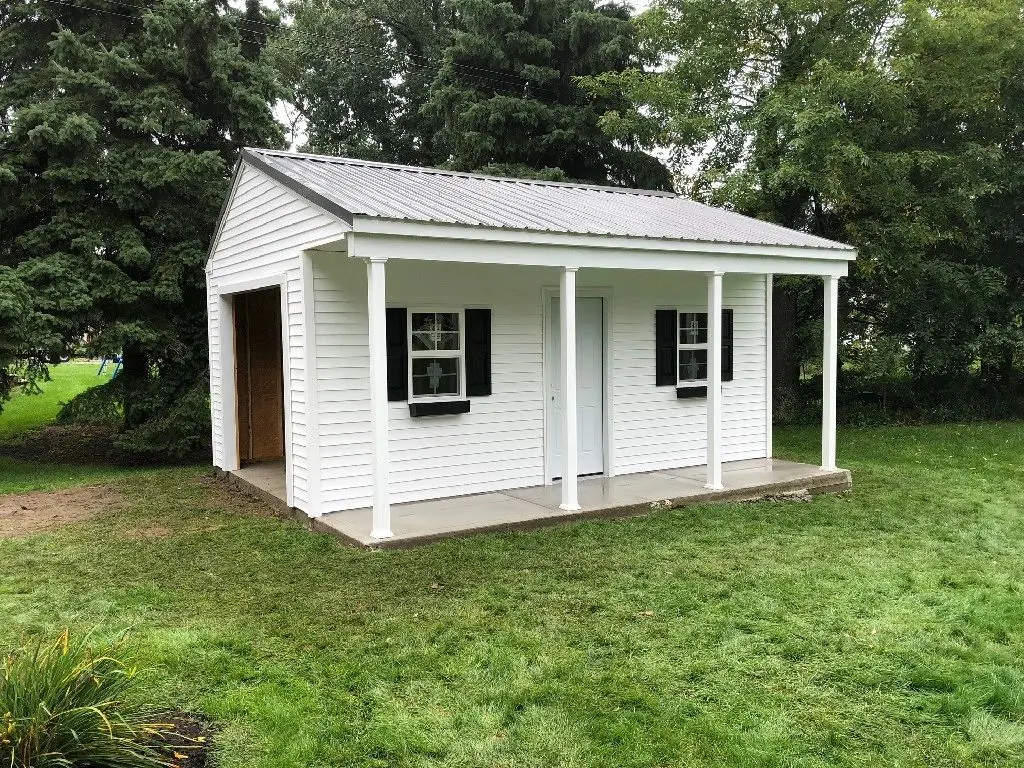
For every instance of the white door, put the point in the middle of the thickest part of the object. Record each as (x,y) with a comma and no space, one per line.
(589,386)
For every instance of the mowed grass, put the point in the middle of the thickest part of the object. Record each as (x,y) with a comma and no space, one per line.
(21,476)
(884,627)
(26,412)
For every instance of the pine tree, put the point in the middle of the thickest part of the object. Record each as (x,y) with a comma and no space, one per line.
(121,124)
(506,98)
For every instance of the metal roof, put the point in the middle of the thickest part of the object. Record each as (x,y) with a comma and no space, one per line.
(355,188)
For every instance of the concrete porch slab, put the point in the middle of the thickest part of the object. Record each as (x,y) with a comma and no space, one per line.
(422,521)
(267,480)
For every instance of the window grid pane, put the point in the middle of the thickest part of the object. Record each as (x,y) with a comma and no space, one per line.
(435,331)
(693,327)
(693,365)
(435,376)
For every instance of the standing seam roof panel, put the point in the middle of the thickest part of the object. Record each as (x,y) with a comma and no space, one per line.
(387,191)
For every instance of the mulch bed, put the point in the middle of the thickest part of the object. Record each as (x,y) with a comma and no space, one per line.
(66,444)
(187,742)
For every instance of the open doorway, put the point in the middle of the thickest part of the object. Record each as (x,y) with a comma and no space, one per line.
(259,376)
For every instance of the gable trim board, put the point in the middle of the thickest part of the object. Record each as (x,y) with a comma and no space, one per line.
(284,179)
(283,224)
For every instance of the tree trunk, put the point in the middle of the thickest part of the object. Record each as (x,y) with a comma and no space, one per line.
(134,377)
(785,354)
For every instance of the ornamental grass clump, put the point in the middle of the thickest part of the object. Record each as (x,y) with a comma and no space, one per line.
(64,705)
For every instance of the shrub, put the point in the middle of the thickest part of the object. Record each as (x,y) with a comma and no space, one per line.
(62,705)
(65,444)
(177,430)
(96,406)
(182,433)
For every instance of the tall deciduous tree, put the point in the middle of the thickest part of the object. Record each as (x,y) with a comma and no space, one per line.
(894,125)
(360,70)
(121,127)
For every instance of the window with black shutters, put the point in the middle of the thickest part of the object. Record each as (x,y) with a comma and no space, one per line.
(681,349)
(692,348)
(438,356)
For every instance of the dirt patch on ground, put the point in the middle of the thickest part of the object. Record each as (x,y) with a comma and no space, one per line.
(223,496)
(22,514)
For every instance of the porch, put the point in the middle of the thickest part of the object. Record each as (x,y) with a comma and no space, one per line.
(525,508)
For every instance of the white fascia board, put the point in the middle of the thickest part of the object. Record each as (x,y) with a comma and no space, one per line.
(589,255)
(364,225)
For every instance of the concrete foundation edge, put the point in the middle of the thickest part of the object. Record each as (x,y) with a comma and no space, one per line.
(832,482)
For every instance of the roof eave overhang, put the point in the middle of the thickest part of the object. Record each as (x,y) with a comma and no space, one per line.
(390,238)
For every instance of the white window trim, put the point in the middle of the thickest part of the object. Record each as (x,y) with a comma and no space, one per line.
(706,346)
(459,354)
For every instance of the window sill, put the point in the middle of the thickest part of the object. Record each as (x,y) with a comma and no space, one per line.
(441,408)
(683,393)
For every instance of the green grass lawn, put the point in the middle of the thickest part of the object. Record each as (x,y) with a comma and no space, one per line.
(884,627)
(23,413)
(21,476)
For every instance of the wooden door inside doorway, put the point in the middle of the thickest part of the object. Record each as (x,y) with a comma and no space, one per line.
(259,375)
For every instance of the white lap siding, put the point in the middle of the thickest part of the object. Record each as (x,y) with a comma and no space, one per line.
(262,238)
(499,444)
(217,385)
(652,428)
(343,382)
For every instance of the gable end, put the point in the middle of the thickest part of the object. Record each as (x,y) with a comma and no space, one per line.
(298,188)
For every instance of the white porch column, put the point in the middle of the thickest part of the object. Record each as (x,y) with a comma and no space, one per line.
(375,304)
(714,442)
(830,356)
(769,378)
(570,460)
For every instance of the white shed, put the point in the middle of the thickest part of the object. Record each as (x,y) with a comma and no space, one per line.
(385,335)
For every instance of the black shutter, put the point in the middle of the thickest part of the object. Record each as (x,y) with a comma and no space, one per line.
(478,352)
(726,345)
(398,353)
(666,331)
